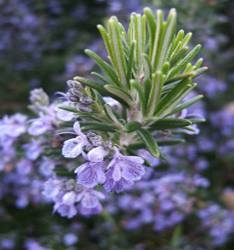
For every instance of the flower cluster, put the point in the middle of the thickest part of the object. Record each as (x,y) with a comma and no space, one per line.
(167,200)
(213,218)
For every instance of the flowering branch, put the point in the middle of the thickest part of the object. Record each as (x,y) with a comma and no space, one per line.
(137,103)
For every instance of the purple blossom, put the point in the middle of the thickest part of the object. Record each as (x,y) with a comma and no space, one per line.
(90,201)
(64,200)
(24,167)
(46,166)
(13,126)
(64,210)
(7,243)
(167,200)
(123,171)
(52,188)
(33,149)
(70,239)
(74,147)
(33,245)
(71,198)
(212,86)
(218,221)
(40,125)
(22,201)
(91,173)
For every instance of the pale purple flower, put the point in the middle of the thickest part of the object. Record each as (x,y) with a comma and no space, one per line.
(52,188)
(46,166)
(90,201)
(33,245)
(69,198)
(40,125)
(64,210)
(97,154)
(91,173)
(13,126)
(70,239)
(7,243)
(74,147)
(22,201)
(64,200)
(218,222)
(123,171)
(33,149)
(117,186)
(24,167)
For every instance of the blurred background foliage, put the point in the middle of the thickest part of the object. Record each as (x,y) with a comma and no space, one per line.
(41,45)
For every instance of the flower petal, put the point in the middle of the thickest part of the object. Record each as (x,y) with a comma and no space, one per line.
(76,128)
(116,173)
(101,174)
(96,154)
(87,175)
(38,127)
(89,200)
(69,198)
(72,148)
(134,159)
(132,171)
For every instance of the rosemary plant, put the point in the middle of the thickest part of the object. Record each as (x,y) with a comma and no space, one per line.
(143,85)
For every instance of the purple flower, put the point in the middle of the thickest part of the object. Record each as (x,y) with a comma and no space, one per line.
(65,203)
(117,186)
(218,222)
(91,173)
(33,149)
(52,188)
(69,198)
(90,201)
(33,245)
(70,239)
(13,126)
(46,166)
(97,154)
(24,167)
(7,243)
(40,125)
(64,210)
(22,201)
(123,171)
(74,147)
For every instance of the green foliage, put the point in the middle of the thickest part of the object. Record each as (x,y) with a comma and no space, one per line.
(149,70)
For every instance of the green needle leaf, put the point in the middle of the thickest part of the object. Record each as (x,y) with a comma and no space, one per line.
(170,123)
(154,95)
(149,141)
(98,126)
(120,93)
(104,66)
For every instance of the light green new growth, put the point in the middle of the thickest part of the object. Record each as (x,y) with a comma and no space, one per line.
(149,70)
